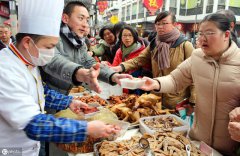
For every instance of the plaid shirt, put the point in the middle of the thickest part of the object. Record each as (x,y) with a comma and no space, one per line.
(45,127)
(56,100)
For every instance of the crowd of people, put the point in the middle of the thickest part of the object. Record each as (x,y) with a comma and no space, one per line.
(51,54)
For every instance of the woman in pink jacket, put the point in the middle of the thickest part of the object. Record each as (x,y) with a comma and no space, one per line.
(214,69)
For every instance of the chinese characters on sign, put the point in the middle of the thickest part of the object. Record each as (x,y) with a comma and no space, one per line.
(153,5)
(102,5)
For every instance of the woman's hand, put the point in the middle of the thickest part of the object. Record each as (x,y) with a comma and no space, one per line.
(234,115)
(234,130)
(150,84)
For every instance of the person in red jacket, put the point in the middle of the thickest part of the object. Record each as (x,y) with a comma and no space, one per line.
(131,46)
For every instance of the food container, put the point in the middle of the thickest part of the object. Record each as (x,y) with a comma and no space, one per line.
(83,147)
(87,145)
(146,129)
(132,83)
(94,105)
(108,90)
(124,127)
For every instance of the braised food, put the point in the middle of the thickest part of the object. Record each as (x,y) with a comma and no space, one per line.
(132,107)
(162,144)
(162,123)
(92,99)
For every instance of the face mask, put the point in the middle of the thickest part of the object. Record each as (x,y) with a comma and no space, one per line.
(44,56)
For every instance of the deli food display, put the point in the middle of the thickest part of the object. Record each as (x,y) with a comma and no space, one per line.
(164,130)
(161,143)
(163,123)
(132,107)
(87,98)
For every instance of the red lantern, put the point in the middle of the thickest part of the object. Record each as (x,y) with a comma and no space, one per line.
(102,5)
(153,5)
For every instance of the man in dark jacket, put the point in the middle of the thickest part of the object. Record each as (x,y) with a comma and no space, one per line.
(71,63)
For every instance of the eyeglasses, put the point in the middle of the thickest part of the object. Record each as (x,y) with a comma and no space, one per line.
(205,34)
(125,36)
(162,24)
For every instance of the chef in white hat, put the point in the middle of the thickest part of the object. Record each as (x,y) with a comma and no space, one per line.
(22,119)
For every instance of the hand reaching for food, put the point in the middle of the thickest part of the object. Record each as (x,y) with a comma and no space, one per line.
(98,129)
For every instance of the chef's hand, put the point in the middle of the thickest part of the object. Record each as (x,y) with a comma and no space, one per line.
(77,106)
(98,129)
(234,115)
(116,77)
(234,130)
(150,84)
(89,76)
(117,69)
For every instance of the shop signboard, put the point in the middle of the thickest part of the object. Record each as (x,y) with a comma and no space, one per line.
(102,6)
(153,5)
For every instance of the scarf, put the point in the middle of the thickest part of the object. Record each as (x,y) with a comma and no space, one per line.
(71,36)
(127,50)
(164,42)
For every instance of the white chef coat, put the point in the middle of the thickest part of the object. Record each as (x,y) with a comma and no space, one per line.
(19,100)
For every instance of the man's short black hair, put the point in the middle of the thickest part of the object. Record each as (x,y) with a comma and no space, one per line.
(68,9)
(35,38)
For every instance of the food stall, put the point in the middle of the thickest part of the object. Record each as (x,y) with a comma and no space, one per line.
(140,117)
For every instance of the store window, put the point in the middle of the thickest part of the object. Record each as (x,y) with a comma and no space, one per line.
(123,14)
(209,6)
(221,4)
(128,13)
(140,10)
(173,6)
(134,10)
(191,7)
(234,5)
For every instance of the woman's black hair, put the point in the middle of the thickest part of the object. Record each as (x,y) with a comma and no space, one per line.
(133,32)
(229,14)
(146,33)
(221,21)
(107,27)
(164,14)
(119,26)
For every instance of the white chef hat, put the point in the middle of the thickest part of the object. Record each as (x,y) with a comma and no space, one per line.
(40,17)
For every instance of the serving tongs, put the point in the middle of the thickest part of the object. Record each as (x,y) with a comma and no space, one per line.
(188,149)
(144,144)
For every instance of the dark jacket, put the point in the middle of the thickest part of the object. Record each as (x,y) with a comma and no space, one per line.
(2,45)
(59,74)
